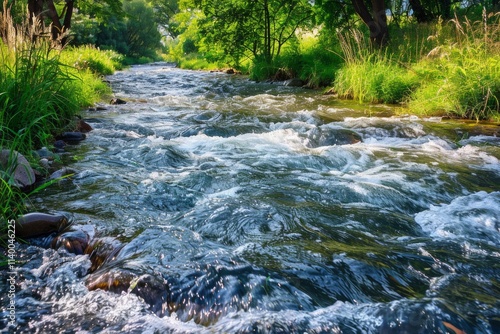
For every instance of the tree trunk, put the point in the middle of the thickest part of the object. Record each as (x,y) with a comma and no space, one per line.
(57,28)
(419,11)
(36,11)
(267,33)
(375,21)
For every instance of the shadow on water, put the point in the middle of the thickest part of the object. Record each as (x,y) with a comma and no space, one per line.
(244,207)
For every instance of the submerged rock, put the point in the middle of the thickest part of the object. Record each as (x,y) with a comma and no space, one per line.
(83,126)
(17,170)
(318,137)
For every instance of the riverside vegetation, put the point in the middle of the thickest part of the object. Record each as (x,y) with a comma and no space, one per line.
(447,67)
(42,90)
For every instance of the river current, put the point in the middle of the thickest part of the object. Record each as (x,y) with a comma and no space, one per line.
(259,208)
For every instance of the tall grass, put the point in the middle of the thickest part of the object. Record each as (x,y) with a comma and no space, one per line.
(462,77)
(42,88)
(368,75)
(448,68)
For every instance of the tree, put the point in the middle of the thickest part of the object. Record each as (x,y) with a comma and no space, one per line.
(143,37)
(428,10)
(60,20)
(165,11)
(242,28)
(376,20)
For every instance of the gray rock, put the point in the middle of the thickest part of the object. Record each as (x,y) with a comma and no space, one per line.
(45,153)
(63,172)
(44,163)
(16,169)
(324,136)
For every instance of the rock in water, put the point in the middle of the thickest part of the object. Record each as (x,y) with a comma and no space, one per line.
(118,101)
(83,126)
(295,82)
(319,137)
(17,169)
(36,224)
(71,137)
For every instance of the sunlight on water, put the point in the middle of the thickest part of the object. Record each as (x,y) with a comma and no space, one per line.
(242,207)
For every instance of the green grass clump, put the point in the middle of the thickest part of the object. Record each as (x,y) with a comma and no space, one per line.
(462,77)
(371,75)
(375,81)
(454,70)
(35,86)
(100,62)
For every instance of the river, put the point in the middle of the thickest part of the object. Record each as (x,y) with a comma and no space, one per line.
(257,208)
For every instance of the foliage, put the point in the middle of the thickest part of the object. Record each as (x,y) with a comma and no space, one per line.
(165,11)
(40,93)
(132,31)
(309,59)
(241,30)
(143,37)
(113,35)
(454,71)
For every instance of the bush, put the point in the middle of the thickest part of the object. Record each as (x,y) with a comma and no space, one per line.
(89,57)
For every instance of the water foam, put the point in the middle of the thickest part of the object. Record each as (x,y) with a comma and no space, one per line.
(473,216)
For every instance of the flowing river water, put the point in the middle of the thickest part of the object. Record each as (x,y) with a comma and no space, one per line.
(256,208)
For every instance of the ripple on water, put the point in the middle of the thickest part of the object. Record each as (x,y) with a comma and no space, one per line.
(248,207)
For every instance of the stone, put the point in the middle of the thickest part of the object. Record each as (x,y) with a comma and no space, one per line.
(71,137)
(319,137)
(44,163)
(117,101)
(17,170)
(83,126)
(45,153)
(59,144)
(61,173)
(295,82)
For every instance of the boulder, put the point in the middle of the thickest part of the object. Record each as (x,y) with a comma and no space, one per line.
(295,82)
(16,169)
(325,136)
(71,137)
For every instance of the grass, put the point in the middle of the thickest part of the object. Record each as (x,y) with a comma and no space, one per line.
(448,68)
(307,59)
(462,77)
(42,88)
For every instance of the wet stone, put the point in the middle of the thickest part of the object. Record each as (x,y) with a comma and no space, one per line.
(17,169)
